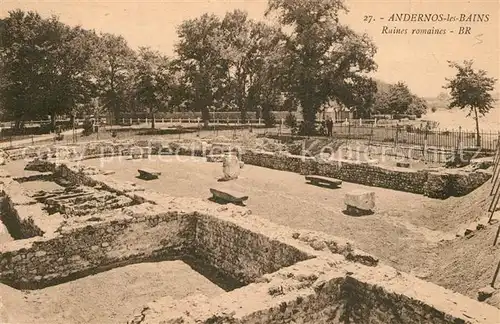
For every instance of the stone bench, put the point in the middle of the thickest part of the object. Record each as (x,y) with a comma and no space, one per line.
(228,195)
(403,164)
(316,180)
(139,152)
(360,202)
(148,174)
(215,158)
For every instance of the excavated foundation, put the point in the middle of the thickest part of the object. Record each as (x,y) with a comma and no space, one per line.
(270,273)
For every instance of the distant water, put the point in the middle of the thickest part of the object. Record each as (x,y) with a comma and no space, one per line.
(454,118)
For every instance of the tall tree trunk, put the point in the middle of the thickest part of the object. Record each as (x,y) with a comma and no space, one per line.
(152,119)
(205,114)
(243,113)
(53,121)
(478,138)
(309,114)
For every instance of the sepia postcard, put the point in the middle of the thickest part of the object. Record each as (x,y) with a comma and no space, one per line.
(249,161)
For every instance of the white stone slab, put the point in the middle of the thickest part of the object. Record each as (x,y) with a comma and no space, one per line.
(364,200)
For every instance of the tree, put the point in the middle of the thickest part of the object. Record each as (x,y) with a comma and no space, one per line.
(470,89)
(152,81)
(203,68)
(443,96)
(114,72)
(400,98)
(418,106)
(45,65)
(323,56)
(21,55)
(359,94)
(251,53)
(381,102)
(267,72)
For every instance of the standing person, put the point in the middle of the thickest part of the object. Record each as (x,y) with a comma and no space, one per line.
(329,126)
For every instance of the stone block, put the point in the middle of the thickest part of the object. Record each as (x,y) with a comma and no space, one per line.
(485,293)
(215,158)
(403,164)
(148,174)
(362,200)
(231,167)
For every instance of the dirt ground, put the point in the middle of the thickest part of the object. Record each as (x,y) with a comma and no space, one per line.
(109,297)
(405,230)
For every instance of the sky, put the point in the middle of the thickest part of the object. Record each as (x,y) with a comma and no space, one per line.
(418,60)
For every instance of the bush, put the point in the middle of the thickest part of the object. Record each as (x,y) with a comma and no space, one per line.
(321,129)
(460,158)
(269,119)
(291,121)
(88,127)
(433,109)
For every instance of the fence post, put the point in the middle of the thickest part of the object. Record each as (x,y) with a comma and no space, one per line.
(371,135)
(425,144)
(459,144)
(397,134)
(163,120)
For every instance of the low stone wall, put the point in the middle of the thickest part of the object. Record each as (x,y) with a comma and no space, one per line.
(435,184)
(238,252)
(18,210)
(90,248)
(322,291)
(438,184)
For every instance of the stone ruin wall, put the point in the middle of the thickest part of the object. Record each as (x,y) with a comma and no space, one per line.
(325,291)
(139,233)
(292,275)
(215,246)
(435,184)
(432,184)
(18,209)
(86,249)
